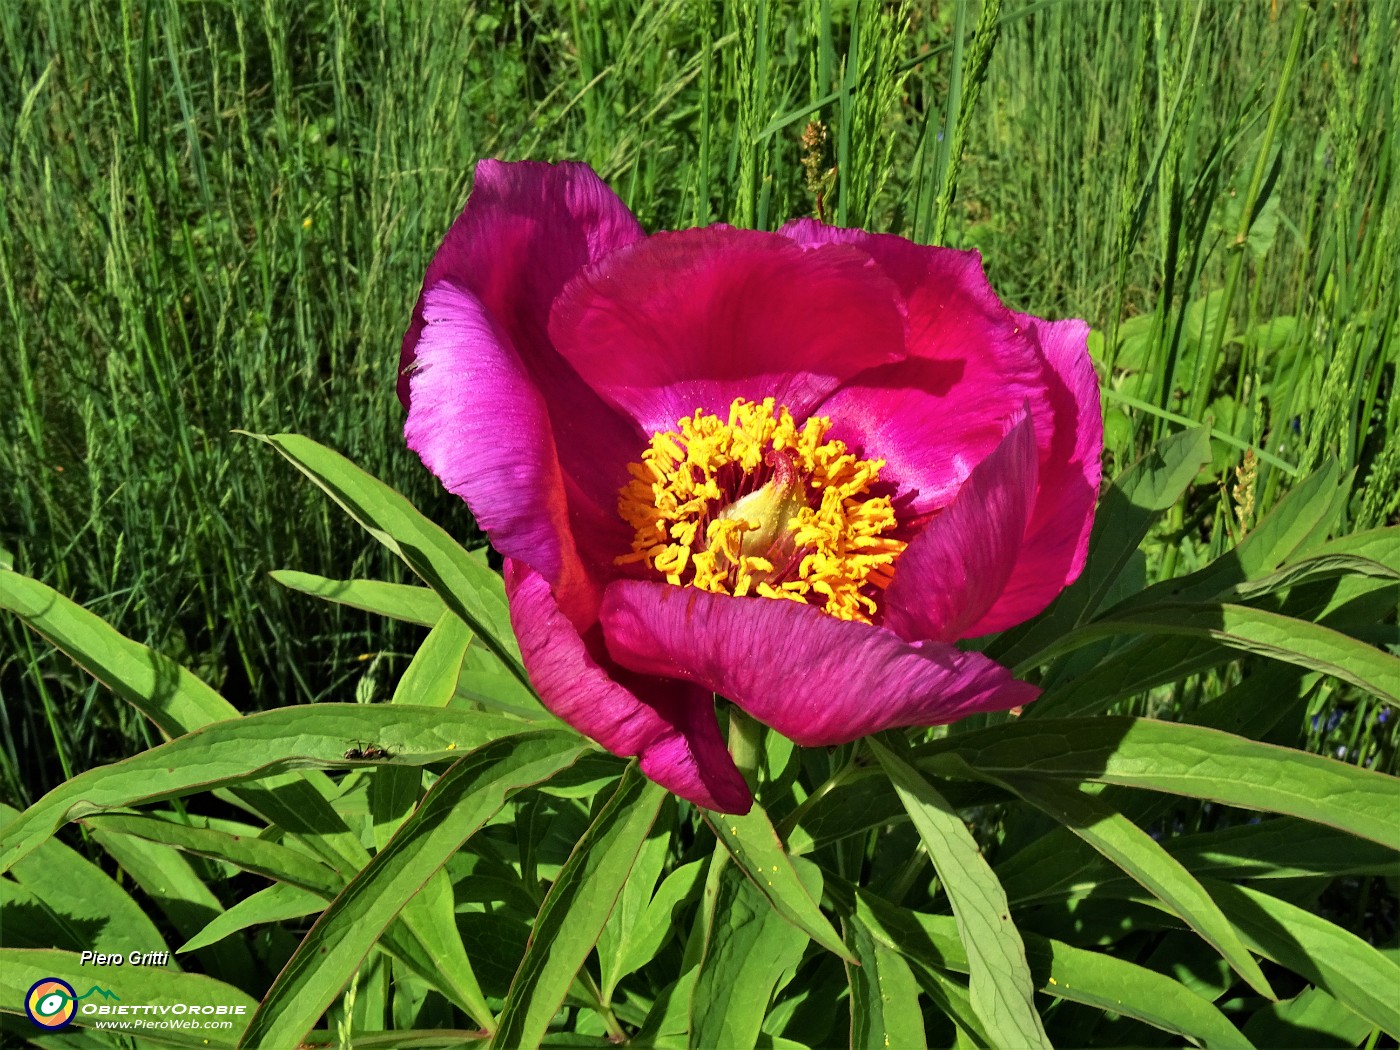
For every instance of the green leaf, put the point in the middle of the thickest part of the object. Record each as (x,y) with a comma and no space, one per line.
(576,908)
(755,847)
(277,903)
(751,952)
(170,696)
(1310,1020)
(1002,992)
(461,801)
(658,923)
(884,995)
(1340,963)
(173,884)
(631,906)
(466,586)
(1146,862)
(156,986)
(259,745)
(1184,760)
(80,906)
(431,677)
(1065,972)
(398,601)
(1257,631)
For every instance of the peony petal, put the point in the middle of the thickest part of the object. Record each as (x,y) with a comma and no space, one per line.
(812,677)
(696,318)
(972,364)
(527,229)
(1057,540)
(955,570)
(670,725)
(480,425)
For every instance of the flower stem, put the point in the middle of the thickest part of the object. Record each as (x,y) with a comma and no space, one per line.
(745,744)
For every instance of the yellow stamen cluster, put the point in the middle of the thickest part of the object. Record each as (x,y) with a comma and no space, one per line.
(758,505)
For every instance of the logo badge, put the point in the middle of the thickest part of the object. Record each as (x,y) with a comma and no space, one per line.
(51,1003)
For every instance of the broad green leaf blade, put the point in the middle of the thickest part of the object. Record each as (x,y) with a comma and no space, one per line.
(461,801)
(1055,867)
(72,895)
(397,601)
(1139,665)
(632,905)
(1146,862)
(1000,980)
(1308,1020)
(258,856)
(750,953)
(278,903)
(170,696)
(1184,760)
(1301,642)
(431,677)
(468,587)
(884,995)
(259,745)
(1340,963)
(576,909)
(755,847)
(1127,510)
(174,885)
(156,986)
(656,925)
(1092,978)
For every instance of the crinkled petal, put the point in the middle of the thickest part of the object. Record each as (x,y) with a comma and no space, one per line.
(481,426)
(1057,540)
(670,725)
(697,318)
(810,676)
(937,414)
(527,229)
(957,568)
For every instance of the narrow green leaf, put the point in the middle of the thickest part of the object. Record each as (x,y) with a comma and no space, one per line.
(82,906)
(397,601)
(170,696)
(884,995)
(1002,992)
(1146,862)
(1340,963)
(1092,978)
(431,677)
(277,903)
(632,905)
(1240,627)
(576,908)
(750,954)
(755,847)
(1185,760)
(658,923)
(468,587)
(461,801)
(259,745)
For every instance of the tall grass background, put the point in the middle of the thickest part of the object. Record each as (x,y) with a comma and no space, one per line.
(215,216)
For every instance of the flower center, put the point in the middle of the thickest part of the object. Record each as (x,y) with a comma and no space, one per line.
(759,505)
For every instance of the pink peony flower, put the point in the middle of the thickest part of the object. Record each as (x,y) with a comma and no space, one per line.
(789,468)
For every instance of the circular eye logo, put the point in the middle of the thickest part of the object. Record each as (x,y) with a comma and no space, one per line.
(51,1003)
